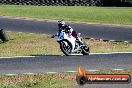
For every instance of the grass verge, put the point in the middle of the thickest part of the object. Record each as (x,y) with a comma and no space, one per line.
(114,15)
(25,44)
(58,80)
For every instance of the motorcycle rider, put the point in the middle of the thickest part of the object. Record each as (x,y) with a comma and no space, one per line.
(68,29)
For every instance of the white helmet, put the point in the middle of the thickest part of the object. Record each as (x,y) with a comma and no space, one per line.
(61,22)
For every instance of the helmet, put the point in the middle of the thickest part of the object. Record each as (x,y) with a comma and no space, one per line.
(61,23)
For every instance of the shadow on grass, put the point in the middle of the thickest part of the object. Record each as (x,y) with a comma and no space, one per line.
(1,42)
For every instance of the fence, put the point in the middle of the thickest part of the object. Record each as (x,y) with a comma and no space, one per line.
(68,2)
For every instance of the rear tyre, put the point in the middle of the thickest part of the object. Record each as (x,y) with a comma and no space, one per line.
(85,49)
(66,47)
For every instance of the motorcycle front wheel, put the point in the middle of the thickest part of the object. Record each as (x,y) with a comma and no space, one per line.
(66,47)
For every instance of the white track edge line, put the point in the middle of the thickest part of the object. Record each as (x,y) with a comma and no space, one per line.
(76,54)
(10,74)
(112,53)
(118,69)
(71,71)
(17,56)
(51,72)
(92,70)
(59,72)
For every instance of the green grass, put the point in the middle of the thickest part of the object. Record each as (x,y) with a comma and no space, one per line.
(97,46)
(58,80)
(40,84)
(114,15)
(29,44)
(25,44)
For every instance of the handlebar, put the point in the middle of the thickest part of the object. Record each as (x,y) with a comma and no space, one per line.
(53,36)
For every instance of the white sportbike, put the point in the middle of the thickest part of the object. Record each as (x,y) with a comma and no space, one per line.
(69,45)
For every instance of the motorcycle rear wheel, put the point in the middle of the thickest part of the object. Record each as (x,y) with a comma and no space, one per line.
(85,49)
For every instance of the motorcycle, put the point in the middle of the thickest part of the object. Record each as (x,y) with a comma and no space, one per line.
(69,45)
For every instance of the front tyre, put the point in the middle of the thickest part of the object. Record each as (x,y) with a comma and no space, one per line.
(85,49)
(66,47)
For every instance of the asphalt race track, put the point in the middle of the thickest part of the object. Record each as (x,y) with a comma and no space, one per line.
(57,63)
(87,30)
(43,64)
(48,27)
